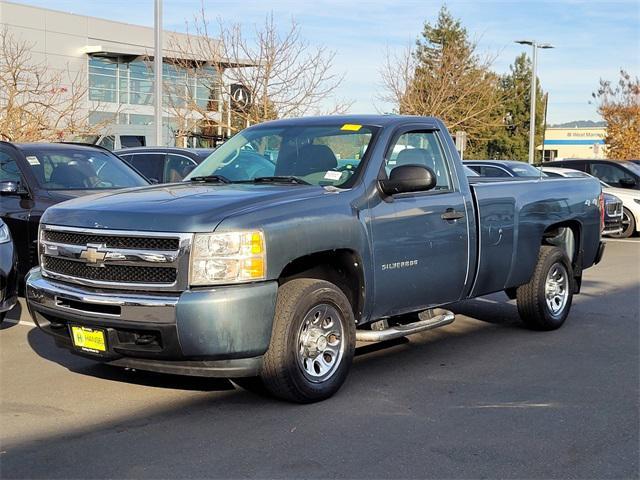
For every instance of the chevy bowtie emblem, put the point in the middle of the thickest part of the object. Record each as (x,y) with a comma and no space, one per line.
(92,255)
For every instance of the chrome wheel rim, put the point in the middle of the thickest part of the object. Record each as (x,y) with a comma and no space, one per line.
(557,288)
(320,343)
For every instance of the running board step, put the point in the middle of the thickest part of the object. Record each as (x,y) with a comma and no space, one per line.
(436,318)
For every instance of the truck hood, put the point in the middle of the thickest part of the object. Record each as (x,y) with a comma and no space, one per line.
(181,207)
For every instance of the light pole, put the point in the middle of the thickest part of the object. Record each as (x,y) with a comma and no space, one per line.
(532,115)
(157,69)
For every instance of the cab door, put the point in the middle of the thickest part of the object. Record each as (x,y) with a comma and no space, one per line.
(420,240)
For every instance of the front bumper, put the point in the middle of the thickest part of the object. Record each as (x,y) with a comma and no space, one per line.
(207,332)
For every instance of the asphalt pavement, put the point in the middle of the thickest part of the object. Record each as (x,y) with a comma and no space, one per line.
(480,398)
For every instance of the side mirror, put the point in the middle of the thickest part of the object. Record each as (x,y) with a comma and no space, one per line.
(409,178)
(9,187)
(627,182)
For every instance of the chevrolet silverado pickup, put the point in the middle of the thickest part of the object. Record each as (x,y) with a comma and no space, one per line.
(297,238)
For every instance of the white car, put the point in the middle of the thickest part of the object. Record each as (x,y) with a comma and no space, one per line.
(630,199)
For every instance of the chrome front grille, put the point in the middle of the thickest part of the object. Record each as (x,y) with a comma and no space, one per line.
(116,258)
(614,209)
(109,241)
(109,273)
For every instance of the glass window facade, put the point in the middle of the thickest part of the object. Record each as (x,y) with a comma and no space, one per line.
(113,80)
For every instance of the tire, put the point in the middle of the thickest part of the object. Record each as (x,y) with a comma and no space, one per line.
(628,225)
(311,351)
(538,310)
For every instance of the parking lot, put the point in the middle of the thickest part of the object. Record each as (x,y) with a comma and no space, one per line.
(480,398)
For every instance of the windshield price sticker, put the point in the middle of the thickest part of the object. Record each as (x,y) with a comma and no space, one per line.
(33,160)
(332,175)
(351,127)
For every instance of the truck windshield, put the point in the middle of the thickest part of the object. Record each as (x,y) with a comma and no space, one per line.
(317,155)
(72,168)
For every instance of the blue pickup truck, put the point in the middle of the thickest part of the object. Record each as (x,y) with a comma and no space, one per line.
(297,238)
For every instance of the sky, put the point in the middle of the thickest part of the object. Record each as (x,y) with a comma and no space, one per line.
(593,39)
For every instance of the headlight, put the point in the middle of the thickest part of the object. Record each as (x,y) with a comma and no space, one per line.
(4,234)
(229,257)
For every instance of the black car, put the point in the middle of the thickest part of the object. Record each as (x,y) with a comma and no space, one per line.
(34,176)
(503,168)
(164,164)
(8,272)
(621,174)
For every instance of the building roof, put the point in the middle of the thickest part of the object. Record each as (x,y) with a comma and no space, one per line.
(106,37)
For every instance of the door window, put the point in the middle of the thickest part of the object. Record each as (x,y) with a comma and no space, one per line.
(421,148)
(493,172)
(177,167)
(149,164)
(611,174)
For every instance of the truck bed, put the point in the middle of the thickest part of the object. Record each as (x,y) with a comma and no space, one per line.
(512,216)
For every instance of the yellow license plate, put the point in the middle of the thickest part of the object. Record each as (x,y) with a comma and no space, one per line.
(88,339)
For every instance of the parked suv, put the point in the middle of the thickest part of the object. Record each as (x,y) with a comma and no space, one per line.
(34,176)
(619,174)
(164,164)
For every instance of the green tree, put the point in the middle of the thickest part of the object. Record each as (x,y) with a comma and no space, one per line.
(510,141)
(445,77)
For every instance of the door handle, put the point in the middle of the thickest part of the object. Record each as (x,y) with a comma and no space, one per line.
(451,214)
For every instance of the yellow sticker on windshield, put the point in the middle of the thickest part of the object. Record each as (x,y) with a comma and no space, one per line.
(351,127)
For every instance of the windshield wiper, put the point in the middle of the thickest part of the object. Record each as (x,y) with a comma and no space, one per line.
(281,179)
(210,179)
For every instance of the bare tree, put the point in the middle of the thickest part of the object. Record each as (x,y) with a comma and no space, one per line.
(283,73)
(619,106)
(444,76)
(36,102)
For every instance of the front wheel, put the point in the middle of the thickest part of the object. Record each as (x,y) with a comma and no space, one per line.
(312,342)
(545,301)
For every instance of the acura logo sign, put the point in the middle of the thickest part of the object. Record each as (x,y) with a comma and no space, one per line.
(93,255)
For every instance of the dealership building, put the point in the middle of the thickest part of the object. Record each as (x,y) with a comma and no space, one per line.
(114,59)
(561,143)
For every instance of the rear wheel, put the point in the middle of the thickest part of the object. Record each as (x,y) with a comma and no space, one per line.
(312,342)
(545,301)
(628,225)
